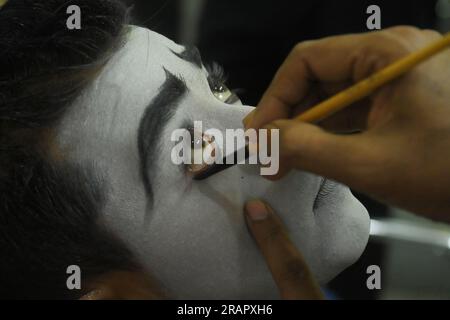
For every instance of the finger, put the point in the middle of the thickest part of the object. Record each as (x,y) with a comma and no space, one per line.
(351,119)
(350,159)
(288,268)
(354,57)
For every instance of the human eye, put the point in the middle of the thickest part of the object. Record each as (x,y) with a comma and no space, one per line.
(217,80)
(206,145)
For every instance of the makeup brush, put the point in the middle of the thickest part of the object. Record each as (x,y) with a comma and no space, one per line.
(351,95)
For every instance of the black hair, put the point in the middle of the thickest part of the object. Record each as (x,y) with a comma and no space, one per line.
(43,64)
(50,209)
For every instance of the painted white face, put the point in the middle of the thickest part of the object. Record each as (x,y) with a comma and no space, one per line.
(191,235)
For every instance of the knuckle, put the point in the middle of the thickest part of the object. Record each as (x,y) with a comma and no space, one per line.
(280,123)
(298,50)
(304,48)
(432,34)
(301,46)
(297,138)
(388,45)
(396,42)
(410,38)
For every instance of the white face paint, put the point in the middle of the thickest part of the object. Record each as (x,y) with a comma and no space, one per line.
(192,236)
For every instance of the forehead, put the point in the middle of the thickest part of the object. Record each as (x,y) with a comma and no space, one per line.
(139,64)
(136,72)
(144,48)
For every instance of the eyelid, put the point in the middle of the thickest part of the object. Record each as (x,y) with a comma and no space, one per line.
(216,75)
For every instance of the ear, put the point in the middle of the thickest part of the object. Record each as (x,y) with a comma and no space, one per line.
(123,285)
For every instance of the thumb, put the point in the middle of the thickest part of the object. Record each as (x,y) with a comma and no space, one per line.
(345,158)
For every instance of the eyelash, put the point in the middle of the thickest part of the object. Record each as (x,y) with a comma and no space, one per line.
(217,82)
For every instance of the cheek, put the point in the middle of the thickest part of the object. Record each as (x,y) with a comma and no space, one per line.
(199,237)
(195,243)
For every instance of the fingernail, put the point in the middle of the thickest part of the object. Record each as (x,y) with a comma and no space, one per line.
(256,210)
